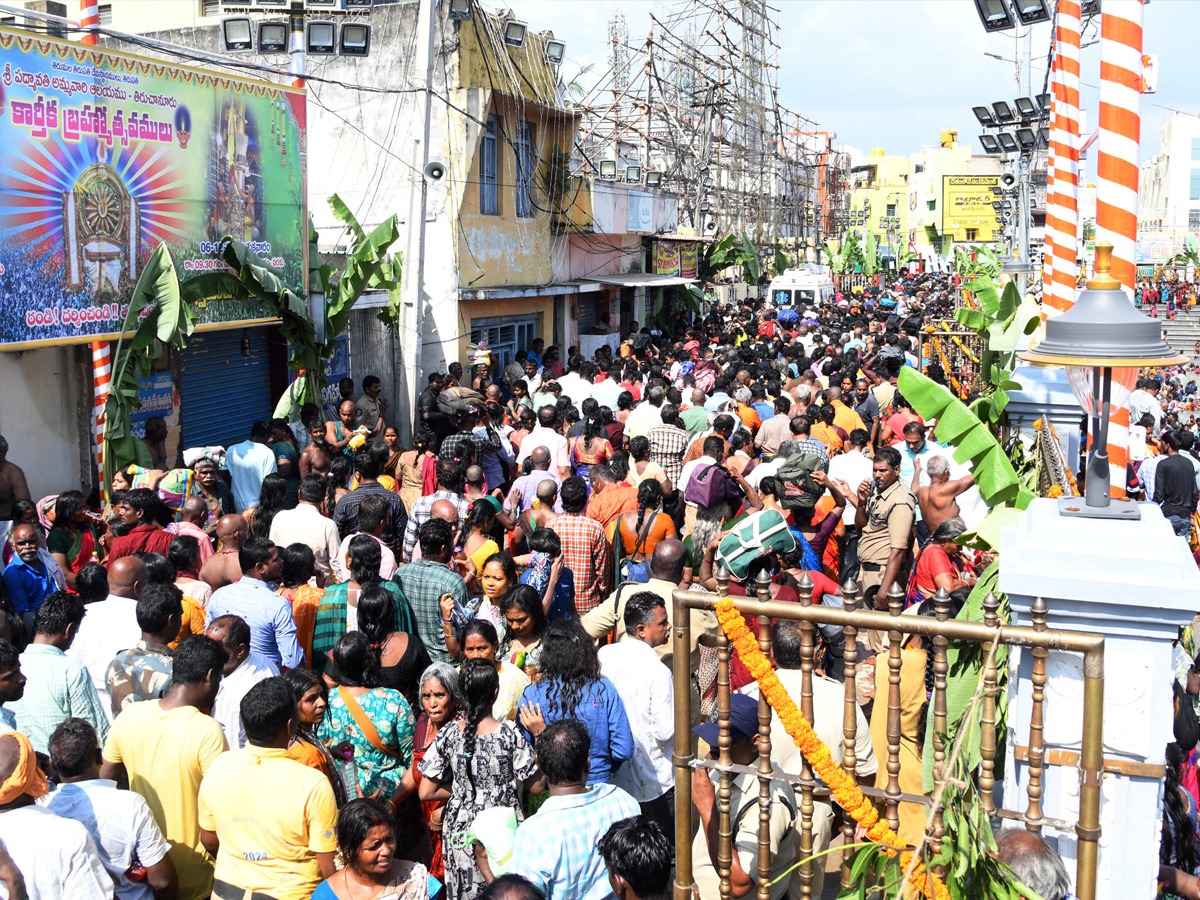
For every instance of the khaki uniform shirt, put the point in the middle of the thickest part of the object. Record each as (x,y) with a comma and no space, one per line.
(889,523)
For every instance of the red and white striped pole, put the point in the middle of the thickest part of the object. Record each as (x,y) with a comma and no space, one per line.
(89,15)
(1117,172)
(1062,191)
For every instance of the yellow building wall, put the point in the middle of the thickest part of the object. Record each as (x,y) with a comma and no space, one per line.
(889,187)
(515,84)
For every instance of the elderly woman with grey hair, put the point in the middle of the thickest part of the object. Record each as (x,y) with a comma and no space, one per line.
(1036,864)
(441,703)
(941,563)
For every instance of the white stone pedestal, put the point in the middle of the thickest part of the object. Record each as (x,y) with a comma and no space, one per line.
(1135,583)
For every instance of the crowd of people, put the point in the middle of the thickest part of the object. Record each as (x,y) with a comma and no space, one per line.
(318,663)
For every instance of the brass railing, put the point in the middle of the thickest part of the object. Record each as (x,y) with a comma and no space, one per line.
(941,630)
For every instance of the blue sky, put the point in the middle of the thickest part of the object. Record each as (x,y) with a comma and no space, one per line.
(893,73)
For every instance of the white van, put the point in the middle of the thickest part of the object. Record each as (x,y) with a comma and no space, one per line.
(809,286)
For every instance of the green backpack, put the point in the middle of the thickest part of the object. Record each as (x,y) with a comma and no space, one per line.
(759,533)
(798,490)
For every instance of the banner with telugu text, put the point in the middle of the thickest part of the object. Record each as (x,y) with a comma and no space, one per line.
(105,155)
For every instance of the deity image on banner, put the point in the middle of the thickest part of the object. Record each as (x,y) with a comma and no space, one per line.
(101,226)
(235,176)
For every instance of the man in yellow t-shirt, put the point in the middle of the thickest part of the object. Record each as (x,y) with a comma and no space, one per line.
(165,747)
(269,820)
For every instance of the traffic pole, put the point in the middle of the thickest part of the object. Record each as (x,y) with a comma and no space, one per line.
(1117,172)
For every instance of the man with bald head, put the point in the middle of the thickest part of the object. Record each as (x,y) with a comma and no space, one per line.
(666,571)
(111,625)
(450,476)
(222,567)
(446,512)
(192,518)
(520,496)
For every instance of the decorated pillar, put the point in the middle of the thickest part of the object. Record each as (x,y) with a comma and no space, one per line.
(1062,187)
(1117,171)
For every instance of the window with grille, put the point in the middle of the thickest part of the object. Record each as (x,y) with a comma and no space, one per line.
(972,234)
(526,165)
(210,8)
(505,336)
(105,12)
(489,166)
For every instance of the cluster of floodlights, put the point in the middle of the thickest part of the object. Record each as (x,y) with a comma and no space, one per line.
(1003,205)
(1018,125)
(1000,15)
(553,51)
(630,175)
(352,38)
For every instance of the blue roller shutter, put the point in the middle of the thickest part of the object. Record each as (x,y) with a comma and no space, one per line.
(222,392)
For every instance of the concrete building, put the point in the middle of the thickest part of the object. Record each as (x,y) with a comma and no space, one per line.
(1169,187)
(926,202)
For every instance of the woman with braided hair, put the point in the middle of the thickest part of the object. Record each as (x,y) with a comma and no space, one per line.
(473,765)
(402,656)
(641,531)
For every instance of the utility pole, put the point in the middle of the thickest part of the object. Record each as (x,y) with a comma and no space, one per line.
(413,276)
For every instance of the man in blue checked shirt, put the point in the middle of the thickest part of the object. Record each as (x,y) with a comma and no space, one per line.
(556,848)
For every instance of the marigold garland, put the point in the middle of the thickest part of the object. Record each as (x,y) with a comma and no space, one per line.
(843,788)
(954,382)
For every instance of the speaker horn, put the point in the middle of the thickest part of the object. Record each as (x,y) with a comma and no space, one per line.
(434,172)
(1008,180)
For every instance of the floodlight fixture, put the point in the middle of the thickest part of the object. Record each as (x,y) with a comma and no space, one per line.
(991,146)
(357,5)
(320,38)
(271,4)
(984,115)
(1004,113)
(996,189)
(654,179)
(554,51)
(608,168)
(1044,134)
(996,204)
(1043,101)
(995,15)
(460,9)
(273,36)
(1007,204)
(1030,12)
(1008,143)
(237,34)
(354,39)
(1027,138)
(1026,108)
(320,4)
(514,33)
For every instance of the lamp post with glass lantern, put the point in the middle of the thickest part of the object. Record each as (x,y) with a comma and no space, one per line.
(1103,342)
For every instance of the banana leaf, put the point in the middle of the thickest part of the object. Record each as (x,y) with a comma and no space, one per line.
(749,260)
(781,261)
(163,316)
(359,272)
(956,425)
(870,255)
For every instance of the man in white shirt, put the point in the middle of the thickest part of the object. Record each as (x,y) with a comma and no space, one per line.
(546,436)
(307,525)
(56,857)
(645,687)
(853,467)
(243,671)
(249,463)
(111,626)
(577,383)
(606,389)
(1144,401)
(120,822)
(647,414)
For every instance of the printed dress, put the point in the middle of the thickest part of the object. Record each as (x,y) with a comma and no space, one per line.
(500,760)
(392,717)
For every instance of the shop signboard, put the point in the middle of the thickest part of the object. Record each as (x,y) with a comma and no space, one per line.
(689,260)
(967,211)
(666,258)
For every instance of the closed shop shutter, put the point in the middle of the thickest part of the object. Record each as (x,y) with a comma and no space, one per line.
(587,313)
(222,392)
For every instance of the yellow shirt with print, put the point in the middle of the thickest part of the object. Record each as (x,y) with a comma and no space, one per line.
(272,816)
(167,753)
